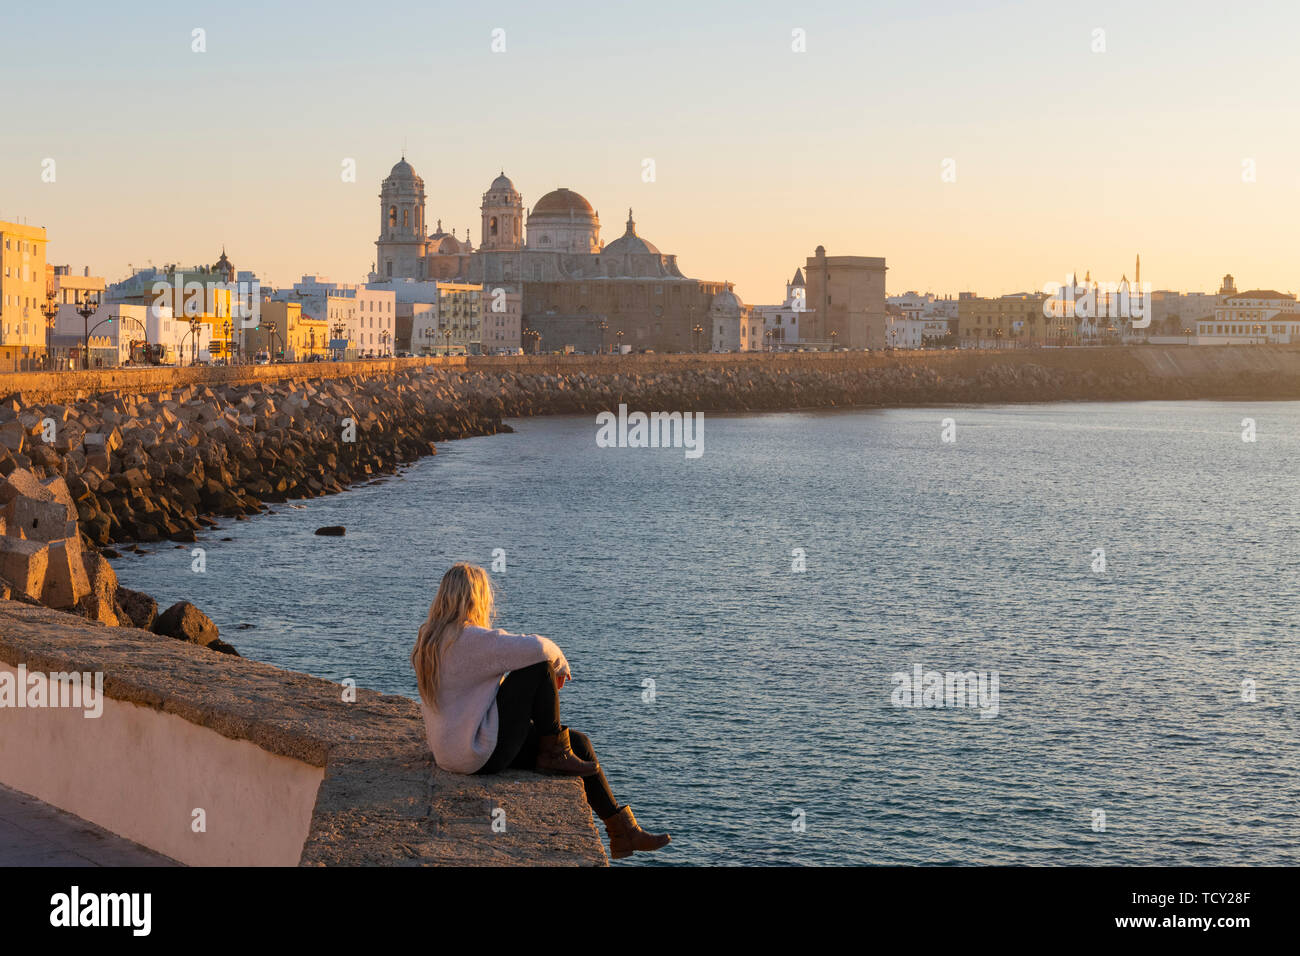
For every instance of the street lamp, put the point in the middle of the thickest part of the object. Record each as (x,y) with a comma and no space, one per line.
(603,326)
(384,336)
(619,336)
(446,349)
(834,335)
(697,334)
(51,312)
(87,308)
(270,335)
(338,336)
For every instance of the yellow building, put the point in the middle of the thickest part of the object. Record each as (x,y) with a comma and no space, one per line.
(283,332)
(1005,322)
(23,295)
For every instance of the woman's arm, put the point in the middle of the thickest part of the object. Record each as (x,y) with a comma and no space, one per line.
(514,651)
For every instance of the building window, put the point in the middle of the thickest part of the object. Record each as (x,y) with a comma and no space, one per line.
(392,219)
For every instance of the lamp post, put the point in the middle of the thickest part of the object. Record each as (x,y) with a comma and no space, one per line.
(834,335)
(619,335)
(697,334)
(86,309)
(227,328)
(384,336)
(270,336)
(51,312)
(446,349)
(338,336)
(603,326)
(195,326)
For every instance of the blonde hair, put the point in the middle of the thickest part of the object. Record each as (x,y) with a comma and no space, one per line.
(464,597)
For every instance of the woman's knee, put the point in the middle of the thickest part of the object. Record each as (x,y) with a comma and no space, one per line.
(580,744)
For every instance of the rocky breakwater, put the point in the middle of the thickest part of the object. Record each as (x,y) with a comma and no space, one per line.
(165,465)
(769,387)
(45,559)
(76,477)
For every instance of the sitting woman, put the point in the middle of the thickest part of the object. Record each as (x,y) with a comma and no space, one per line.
(491,701)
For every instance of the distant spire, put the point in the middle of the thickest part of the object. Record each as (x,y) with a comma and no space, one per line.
(631,225)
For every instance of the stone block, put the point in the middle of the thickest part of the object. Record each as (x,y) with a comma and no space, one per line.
(66,582)
(23,564)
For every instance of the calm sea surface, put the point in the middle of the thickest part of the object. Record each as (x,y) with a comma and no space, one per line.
(1119,692)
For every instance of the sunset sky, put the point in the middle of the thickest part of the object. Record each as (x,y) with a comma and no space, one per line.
(1065,158)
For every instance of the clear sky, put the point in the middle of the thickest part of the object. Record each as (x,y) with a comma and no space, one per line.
(1065,158)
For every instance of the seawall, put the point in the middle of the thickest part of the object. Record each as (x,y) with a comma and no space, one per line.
(1199,368)
(216,760)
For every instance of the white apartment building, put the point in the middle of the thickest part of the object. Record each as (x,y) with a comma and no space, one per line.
(453,303)
(116,328)
(451,322)
(1255,317)
(366,316)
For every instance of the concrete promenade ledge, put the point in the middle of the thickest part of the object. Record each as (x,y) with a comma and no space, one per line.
(210,759)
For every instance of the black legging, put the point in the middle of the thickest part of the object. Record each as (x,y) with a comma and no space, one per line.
(528,708)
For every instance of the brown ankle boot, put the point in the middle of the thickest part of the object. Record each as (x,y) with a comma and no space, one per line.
(554,755)
(626,836)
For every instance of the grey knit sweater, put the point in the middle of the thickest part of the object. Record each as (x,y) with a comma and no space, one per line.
(462,731)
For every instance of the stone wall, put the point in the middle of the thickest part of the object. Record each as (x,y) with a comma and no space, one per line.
(284,768)
(1158,361)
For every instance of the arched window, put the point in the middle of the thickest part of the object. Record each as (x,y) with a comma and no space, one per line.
(392,215)
(406,217)
(492,227)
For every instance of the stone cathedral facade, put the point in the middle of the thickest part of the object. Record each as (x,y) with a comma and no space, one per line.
(571,281)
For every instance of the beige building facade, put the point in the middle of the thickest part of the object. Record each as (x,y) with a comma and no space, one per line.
(845,301)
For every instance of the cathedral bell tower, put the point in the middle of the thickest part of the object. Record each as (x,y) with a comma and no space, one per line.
(503,217)
(401,245)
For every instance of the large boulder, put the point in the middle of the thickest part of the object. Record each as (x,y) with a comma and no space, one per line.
(185,622)
(140,609)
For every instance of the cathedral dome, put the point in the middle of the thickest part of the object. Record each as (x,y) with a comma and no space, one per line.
(563,203)
(403,170)
(630,243)
(727,302)
(502,184)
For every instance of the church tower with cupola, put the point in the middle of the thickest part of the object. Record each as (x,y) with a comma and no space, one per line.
(503,217)
(401,245)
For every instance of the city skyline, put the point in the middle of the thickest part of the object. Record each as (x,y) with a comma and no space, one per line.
(164,154)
